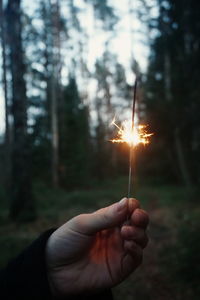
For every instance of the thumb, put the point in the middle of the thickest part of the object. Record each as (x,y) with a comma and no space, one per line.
(104,218)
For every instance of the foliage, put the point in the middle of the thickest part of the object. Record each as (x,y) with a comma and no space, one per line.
(74,139)
(171,87)
(185,255)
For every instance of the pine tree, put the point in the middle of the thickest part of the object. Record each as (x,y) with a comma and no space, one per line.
(22,205)
(75,149)
(7,139)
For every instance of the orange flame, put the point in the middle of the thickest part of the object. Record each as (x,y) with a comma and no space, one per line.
(132,135)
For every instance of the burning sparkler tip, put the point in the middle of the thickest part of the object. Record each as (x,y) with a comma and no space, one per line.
(132,135)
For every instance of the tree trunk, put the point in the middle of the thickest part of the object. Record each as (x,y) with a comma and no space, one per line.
(54,130)
(51,16)
(55,90)
(178,144)
(181,160)
(22,206)
(4,81)
(167,76)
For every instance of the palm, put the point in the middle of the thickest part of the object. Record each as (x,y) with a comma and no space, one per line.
(99,262)
(106,263)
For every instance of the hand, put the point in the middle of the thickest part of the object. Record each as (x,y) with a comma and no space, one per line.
(98,250)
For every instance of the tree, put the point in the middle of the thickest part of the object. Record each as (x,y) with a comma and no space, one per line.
(22,204)
(49,100)
(75,148)
(171,90)
(5,86)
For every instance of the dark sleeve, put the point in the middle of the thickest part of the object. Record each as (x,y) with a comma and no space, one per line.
(25,277)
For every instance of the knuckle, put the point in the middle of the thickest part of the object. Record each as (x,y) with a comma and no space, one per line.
(80,220)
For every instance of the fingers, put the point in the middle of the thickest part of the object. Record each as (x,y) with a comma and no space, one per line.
(136,234)
(108,217)
(140,218)
(135,250)
(135,230)
(132,205)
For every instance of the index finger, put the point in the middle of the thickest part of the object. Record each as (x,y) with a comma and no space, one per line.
(132,205)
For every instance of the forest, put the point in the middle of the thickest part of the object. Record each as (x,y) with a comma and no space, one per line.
(66,72)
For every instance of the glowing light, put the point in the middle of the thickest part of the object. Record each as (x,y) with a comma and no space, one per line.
(132,135)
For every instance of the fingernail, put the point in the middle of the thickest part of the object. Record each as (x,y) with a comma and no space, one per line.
(122,204)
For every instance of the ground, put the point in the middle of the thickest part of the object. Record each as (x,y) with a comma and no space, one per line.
(171,266)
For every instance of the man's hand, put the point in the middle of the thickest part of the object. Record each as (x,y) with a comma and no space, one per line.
(98,250)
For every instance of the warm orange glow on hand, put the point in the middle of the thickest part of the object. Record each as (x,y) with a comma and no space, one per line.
(132,135)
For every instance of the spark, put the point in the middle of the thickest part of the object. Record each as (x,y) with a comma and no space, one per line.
(132,135)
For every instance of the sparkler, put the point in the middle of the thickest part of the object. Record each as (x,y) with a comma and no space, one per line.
(132,130)
(131,134)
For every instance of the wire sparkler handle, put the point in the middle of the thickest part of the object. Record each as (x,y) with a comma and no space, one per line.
(131,146)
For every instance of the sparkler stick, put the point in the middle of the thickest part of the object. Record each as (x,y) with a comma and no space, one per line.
(131,134)
(131,146)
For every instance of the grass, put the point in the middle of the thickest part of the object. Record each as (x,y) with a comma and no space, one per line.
(174,213)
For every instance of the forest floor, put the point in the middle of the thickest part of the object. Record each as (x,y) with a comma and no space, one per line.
(171,267)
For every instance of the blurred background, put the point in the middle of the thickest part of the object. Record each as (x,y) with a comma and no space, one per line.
(67,68)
